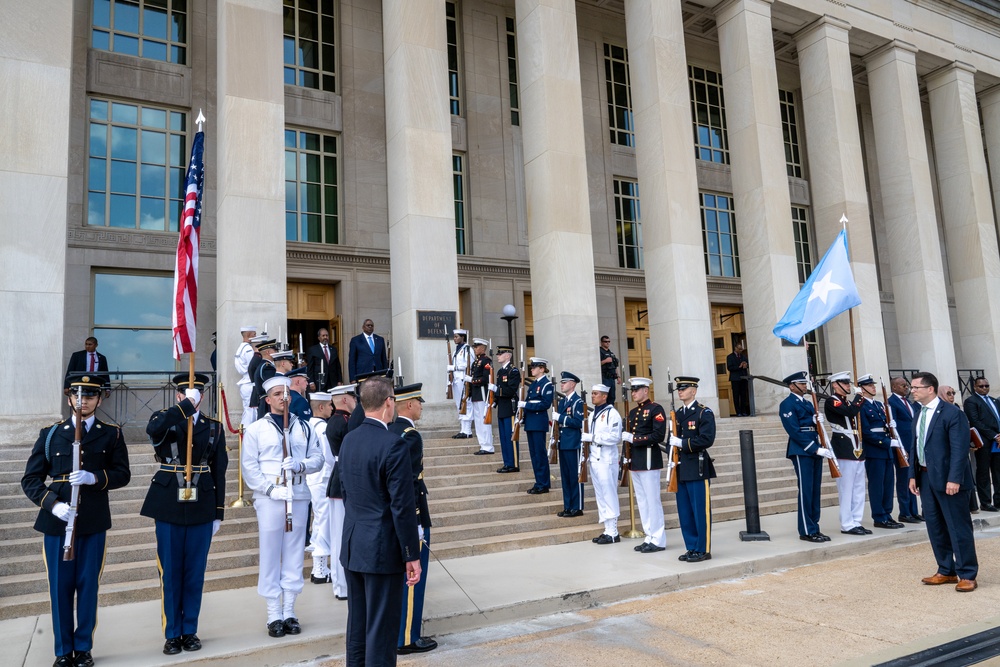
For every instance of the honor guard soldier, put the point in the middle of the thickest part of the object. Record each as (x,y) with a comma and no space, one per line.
(646,429)
(798,417)
(536,406)
(603,435)
(461,364)
(569,417)
(319,534)
(299,379)
(344,403)
(244,354)
(696,433)
(409,406)
(275,464)
(265,347)
(187,516)
(49,479)
(842,414)
(878,445)
(508,382)
(479,391)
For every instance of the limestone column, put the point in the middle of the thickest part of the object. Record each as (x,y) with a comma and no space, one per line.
(760,188)
(424,268)
(837,182)
(560,249)
(989,105)
(914,248)
(250,198)
(35,67)
(969,225)
(676,287)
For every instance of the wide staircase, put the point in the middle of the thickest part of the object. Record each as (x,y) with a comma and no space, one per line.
(474,511)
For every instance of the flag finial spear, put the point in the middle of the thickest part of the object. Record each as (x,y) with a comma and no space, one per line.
(200,120)
(843,220)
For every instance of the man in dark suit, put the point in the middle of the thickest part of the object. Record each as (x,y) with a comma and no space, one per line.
(380,538)
(739,367)
(367,352)
(984,415)
(323,361)
(87,360)
(904,411)
(940,473)
(185,526)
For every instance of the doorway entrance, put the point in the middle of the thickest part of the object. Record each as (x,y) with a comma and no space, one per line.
(728,328)
(640,359)
(312,307)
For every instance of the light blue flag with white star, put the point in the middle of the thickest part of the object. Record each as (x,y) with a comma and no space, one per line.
(829,291)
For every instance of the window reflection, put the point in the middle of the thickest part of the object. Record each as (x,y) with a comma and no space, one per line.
(132,320)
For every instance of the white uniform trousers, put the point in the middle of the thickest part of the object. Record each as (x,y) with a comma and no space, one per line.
(319,538)
(484,432)
(851,490)
(249,414)
(336,518)
(604,477)
(647,498)
(464,421)
(281,553)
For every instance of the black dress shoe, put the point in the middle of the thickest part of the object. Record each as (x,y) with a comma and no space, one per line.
(63,661)
(698,556)
(989,508)
(483,452)
(460,436)
(826,538)
(857,530)
(811,538)
(909,519)
(276,628)
(607,539)
(422,645)
(687,554)
(574,513)
(867,532)
(639,547)
(650,548)
(888,524)
(190,643)
(536,490)
(83,659)
(562,514)
(320,580)
(507,469)
(292,626)
(919,517)
(172,646)
(339,597)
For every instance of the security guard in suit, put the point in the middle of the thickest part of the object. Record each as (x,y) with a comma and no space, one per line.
(535,407)
(878,446)
(409,406)
(508,379)
(48,482)
(845,441)
(696,433)
(646,429)
(569,416)
(185,523)
(798,417)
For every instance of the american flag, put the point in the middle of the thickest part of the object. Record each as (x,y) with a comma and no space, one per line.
(186,268)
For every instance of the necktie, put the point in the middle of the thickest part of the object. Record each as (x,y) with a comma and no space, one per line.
(92,367)
(326,353)
(371,344)
(921,428)
(908,407)
(993,408)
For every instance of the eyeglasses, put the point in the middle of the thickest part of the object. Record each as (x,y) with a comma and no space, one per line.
(983,386)
(919,386)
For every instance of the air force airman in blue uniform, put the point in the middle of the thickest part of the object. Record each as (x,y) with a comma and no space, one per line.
(696,433)
(569,416)
(536,406)
(878,446)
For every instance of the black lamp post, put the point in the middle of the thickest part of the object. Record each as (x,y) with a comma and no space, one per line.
(509,315)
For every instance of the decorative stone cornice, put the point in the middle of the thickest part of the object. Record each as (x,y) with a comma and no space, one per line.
(111,238)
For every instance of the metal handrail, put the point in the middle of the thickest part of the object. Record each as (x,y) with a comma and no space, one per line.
(131,397)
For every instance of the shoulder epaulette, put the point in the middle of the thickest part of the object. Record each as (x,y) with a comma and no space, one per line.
(409,428)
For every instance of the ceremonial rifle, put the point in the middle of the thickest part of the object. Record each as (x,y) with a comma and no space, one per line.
(69,546)
(821,433)
(902,460)
(285,447)
(464,407)
(488,417)
(675,456)
(585,454)
(520,399)
(451,373)
(625,462)
(554,440)
(302,352)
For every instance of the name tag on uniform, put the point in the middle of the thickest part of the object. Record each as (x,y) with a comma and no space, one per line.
(187,495)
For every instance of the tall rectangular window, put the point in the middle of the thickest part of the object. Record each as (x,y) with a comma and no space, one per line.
(311,181)
(790,132)
(309,44)
(458,177)
(622,128)
(454,57)
(155,29)
(137,157)
(708,110)
(515,100)
(132,320)
(718,225)
(628,224)
(803,245)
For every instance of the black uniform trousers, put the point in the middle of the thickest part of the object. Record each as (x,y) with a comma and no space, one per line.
(371,642)
(181,558)
(79,577)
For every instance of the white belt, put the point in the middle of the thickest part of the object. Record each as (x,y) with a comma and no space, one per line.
(878,430)
(845,432)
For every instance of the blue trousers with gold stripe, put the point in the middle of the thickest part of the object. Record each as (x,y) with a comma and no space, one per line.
(80,578)
(694,509)
(413,599)
(181,557)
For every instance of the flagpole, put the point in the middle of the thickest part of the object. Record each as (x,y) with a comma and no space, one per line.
(190,428)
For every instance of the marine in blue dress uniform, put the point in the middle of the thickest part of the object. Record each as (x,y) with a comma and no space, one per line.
(184,528)
(508,380)
(878,446)
(569,416)
(798,417)
(48,482)
(536,406)
(409,406)
(696,433)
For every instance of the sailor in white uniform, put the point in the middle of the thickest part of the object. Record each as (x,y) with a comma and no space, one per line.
(604,434)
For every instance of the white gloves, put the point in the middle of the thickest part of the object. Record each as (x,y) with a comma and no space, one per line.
(626,436)
(281,493)
(820,419)
(420,532)
(892,423)
(675,441)
(63,512)
(293,466)
(552,441)
(451,368)
(216,524)
(895,443)
(193,395)
(492,387)
(521,404)
(587,437)
(81,477)
(825,453)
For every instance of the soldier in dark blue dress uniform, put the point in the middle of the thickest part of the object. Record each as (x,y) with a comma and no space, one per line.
(48,482)
(696,433)
(536,406)
(798,417)
(878,446)
(264,347)
(300,384)
(185,527)
(508,380)
(569,416)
